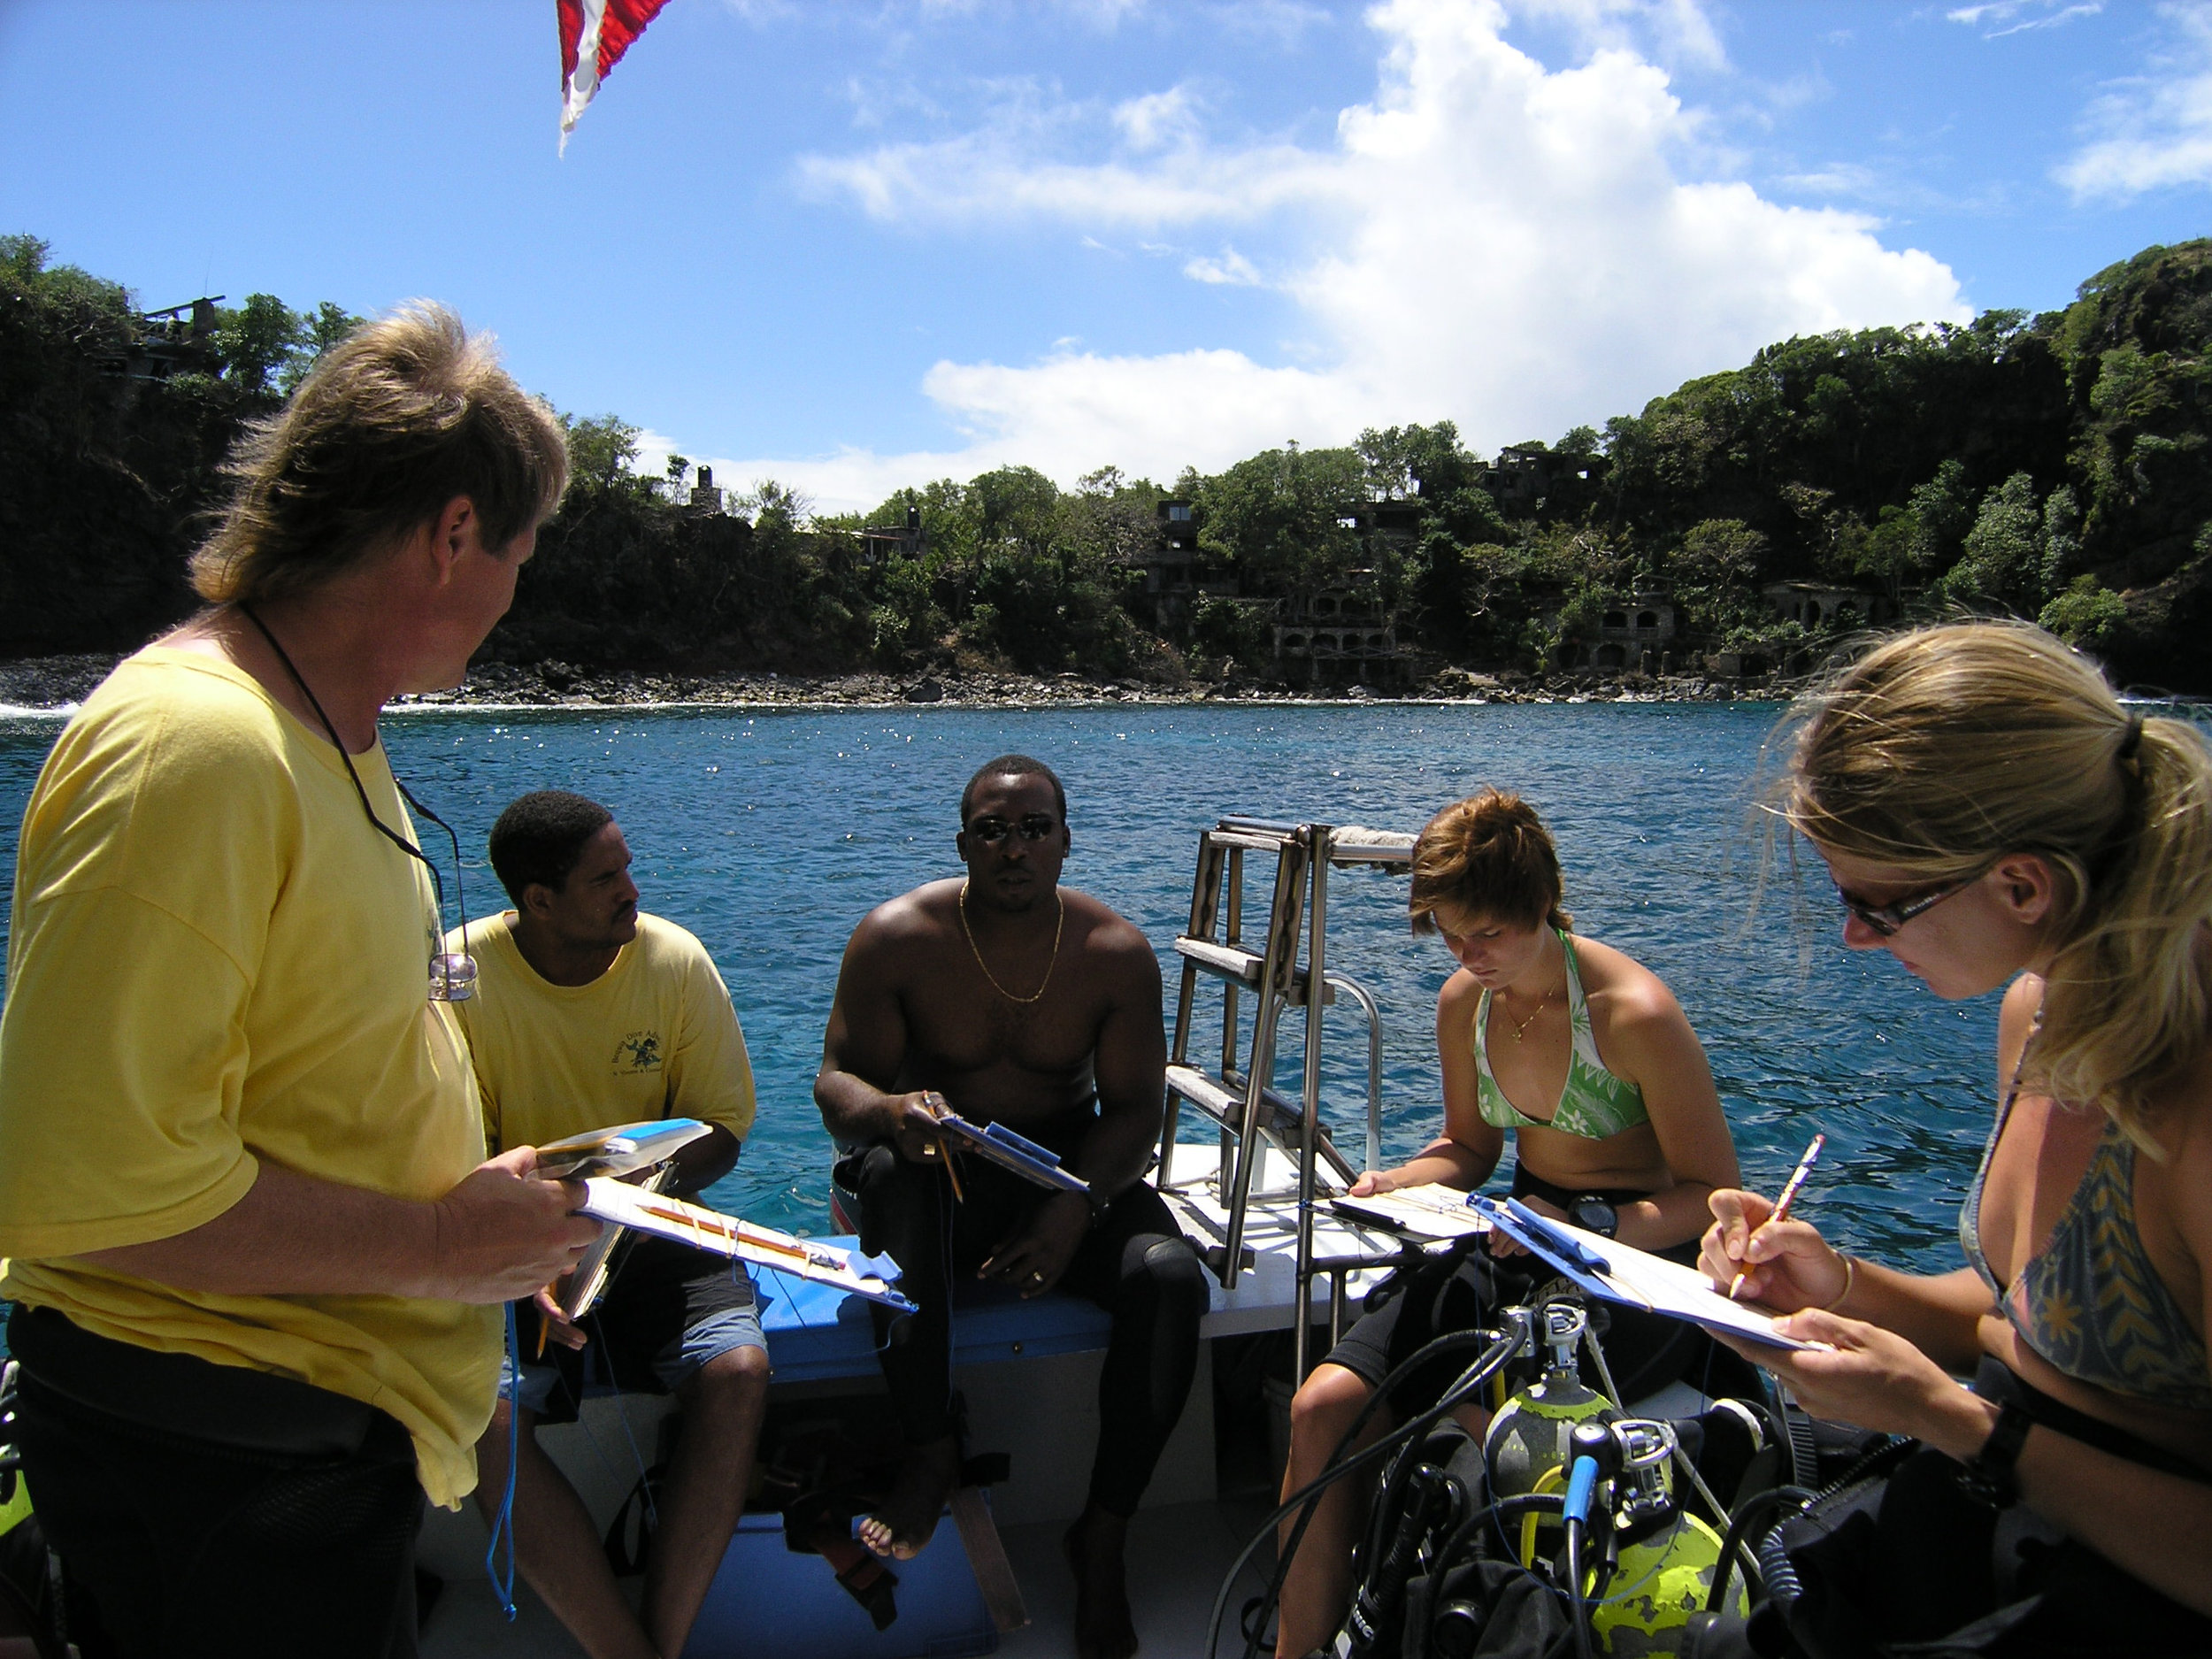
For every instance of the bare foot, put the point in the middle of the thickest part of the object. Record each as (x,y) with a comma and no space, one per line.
(1104,1628)
(904,1520)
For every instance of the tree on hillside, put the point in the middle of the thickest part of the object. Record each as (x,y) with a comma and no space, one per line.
(601,449)
(1284,519)
(319,330)
(2002,560)
(255,339)
(1713,573)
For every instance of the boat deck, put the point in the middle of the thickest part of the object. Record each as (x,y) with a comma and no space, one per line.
(1029,1370)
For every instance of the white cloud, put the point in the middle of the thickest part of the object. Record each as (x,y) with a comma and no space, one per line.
(1674,31)
(1158,119)
(1231,270)
(2154,130)
(2016,16)
(1488,240)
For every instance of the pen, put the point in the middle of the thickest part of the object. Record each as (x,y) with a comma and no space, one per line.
(1781,1206)
(1542,1228)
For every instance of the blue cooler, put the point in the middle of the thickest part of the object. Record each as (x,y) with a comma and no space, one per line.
(768,1602)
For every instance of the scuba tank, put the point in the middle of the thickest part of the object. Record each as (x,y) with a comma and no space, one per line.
(1662,1560)
(1532,1436)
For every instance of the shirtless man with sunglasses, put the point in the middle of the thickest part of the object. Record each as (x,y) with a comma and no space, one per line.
(1018,1001)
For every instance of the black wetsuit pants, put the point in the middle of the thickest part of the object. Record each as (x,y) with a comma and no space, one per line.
(1134,1264)
(213,1512)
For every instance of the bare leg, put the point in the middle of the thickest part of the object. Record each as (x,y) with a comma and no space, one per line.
(723,1402)
(556,1549)
(1103,1627)
(905,1519)
(1320,1577)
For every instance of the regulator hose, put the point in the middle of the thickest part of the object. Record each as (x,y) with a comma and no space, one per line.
(1750,1513)
(1492,1359)
(1779,1572)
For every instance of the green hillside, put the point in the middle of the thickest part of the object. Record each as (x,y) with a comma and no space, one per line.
(2049,467)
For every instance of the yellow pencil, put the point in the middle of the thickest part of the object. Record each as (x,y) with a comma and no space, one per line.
(1781,1208)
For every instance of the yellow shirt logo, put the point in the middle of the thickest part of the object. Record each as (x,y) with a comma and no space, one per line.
(639,1051)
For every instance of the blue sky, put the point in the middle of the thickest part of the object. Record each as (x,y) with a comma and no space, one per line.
(856,246)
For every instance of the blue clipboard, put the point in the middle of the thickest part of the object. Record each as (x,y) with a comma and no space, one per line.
(1551,1240)
(1000,1145)
(1634,1278)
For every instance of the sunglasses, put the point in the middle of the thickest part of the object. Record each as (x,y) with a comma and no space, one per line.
(1886,920)
(992,831)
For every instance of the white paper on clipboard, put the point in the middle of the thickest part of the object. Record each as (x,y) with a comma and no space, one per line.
(1431,1210)
(705,1229)
(1636,1279)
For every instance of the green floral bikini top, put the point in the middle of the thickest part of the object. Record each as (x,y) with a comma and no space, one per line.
(1594,1103)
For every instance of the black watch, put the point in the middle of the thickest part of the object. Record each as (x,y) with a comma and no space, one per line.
(1992,1475)
(1097,1202)
(1592,1214)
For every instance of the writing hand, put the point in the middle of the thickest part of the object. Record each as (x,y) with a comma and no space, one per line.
(501,1234)
(1874,1378)
(1786,1264)
(1372,1182)
(1032,1257)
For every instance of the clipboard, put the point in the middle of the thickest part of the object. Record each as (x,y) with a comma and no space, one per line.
(997,1144)
(621,1150)
(640,1152)
(620,1204)
(1430,1212)
(1635,1279)
(588,1280)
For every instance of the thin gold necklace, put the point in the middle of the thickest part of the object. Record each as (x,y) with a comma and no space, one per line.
(995,985)
(1520,1027)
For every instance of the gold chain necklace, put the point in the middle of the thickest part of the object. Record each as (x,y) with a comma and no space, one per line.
(1520,1027)
(977,951)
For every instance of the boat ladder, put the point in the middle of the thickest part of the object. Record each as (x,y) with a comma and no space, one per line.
(1237,1095)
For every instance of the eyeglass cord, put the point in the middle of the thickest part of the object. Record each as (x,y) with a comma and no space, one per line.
(503,1526)
(379,824)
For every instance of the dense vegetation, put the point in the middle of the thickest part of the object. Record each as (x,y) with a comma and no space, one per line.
(2050,466)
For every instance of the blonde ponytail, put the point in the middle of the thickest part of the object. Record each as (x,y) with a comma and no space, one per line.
(1946,748)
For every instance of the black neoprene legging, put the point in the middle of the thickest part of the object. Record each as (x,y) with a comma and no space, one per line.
(1134,1264)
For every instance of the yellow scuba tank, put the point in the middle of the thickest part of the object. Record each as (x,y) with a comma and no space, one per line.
(1533,1434)
(1664,1559)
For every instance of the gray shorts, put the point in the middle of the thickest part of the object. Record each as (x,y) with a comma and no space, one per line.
(669,1311)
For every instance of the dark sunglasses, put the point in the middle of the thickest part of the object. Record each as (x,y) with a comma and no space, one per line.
(992,831)
(1886,920)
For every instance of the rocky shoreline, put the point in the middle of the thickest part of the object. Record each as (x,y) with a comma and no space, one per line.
(58,682)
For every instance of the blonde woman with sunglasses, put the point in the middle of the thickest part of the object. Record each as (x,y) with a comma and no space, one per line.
(1993,817)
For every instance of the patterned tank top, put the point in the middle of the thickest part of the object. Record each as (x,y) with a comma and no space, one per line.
(1594,1103)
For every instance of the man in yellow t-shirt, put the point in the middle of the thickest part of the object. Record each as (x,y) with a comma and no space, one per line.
(255,1251)
(589,1014)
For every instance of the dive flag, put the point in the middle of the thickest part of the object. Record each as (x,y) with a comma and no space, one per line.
(594,34)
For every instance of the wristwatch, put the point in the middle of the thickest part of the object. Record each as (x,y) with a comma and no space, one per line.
(1094,1200)
(1592,1214)
(1992,1475)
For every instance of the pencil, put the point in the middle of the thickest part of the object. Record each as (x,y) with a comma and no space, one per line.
(1781,1205)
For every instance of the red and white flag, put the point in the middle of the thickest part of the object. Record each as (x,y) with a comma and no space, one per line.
(594,34)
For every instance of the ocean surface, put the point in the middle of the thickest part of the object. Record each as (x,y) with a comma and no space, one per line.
(771,834)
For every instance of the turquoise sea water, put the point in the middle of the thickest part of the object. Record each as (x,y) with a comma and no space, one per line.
(769,834)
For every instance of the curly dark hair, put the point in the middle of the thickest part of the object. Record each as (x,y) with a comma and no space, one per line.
(1488,856)
(540,836)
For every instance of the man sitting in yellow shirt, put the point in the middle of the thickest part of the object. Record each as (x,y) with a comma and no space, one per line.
(589,1013)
